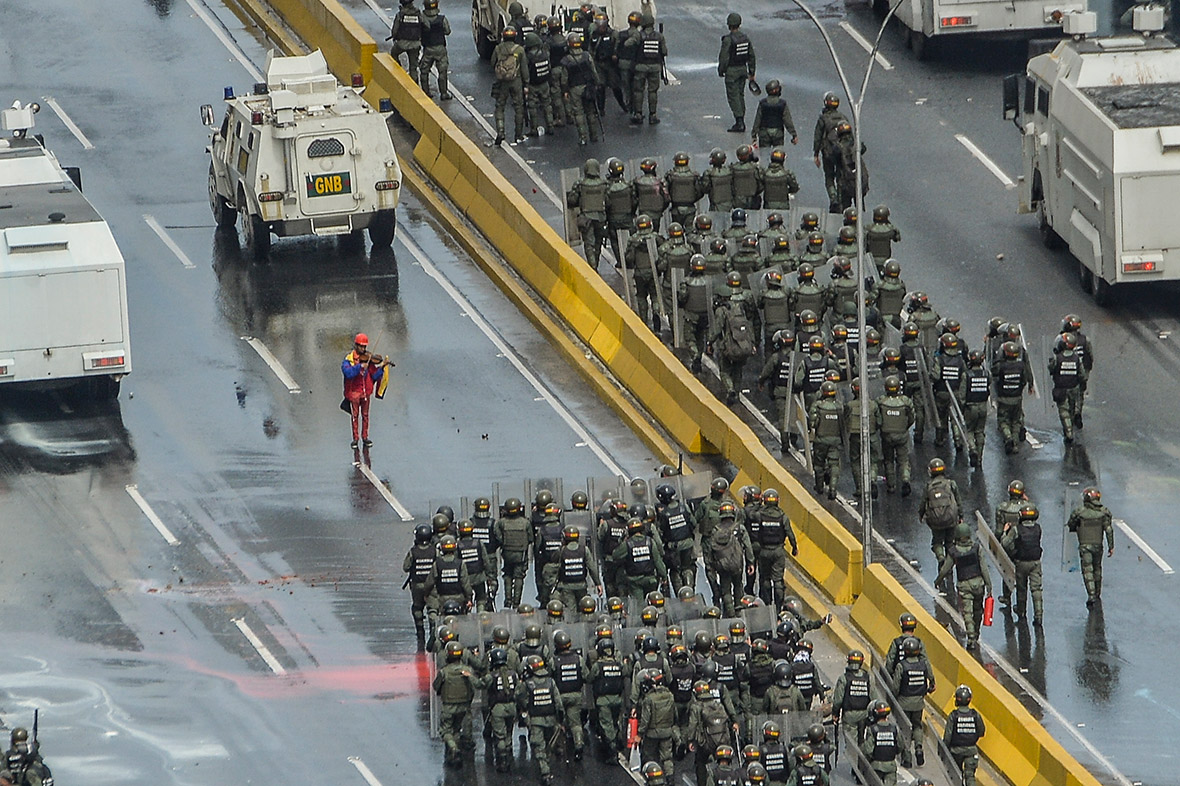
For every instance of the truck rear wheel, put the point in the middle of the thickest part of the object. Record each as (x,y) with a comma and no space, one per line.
(381,229)
(1085,277)
(223,213)
(920,43)
(1101,290)
(1049,236)
(481,35)
(255,234)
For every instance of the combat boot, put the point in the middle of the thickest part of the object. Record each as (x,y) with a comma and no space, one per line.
(739,125)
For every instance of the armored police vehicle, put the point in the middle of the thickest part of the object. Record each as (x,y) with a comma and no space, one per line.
(1100,125)
(490,17)
(303,155)
(927,24)
(63,294)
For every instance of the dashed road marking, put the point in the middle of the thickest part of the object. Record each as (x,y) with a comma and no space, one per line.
(364,770)
(992,166)
(156,227)
(401,510)
(70,124)
(855,35)
(269,358)
(137,498)
(1142,544)
(501,345)
(256,642)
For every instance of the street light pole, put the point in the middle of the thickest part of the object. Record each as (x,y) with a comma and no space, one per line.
(866,504)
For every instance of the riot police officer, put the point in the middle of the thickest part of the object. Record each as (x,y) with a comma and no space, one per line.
(500,698)
(641,564)
(717,182)
(881,235)
(911,680)
(620,205)
(947,377)
(448,579)
(972,578)
(694,303)
(588,198)
(656,710)
(406,34)
(651,192)
(683,187)
(576,568)
(579,81)
(418,564)
(772,120)
(976,392)
(852,695)
(774,532)
(538,88)
(776,374)
(1012,377)
(606,686)
(642,266)
(882,744)
(475,558)
(650,52)
(676,531)
(1022,543)
(455,685)
(1069,374)
(538,698)
(435,29)
(964,728)
(825,149)
(941,508)
(1091,522)
(1084,349)
(515,536)
(569,673)
(748,179)
(779,183)
(895,418)
(736,64)
(827,423)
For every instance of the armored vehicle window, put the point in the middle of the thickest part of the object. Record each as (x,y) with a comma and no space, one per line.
(321,148)
(238,130)
(1043,101)
(243,160)
(250,141)
(1030,95)
(225,125)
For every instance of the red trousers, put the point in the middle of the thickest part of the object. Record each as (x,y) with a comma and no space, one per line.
(360,409)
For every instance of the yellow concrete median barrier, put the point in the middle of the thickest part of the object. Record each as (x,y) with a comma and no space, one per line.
(1016,743)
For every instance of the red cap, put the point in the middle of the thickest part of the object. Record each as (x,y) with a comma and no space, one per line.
(362,339)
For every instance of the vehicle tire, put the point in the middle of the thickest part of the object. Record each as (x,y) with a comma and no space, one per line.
(921,44)
(1101,290)
(381,229)
(1085,278)
(1049,236)
(223,213)
(481,35)
(100,388)
(255,234)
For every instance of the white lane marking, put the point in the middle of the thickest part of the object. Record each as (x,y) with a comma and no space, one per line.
(364,770)
(264,352)
(256,642)
(987,162)
(70,124)
(155,226)
(538,181)
(398,507)
(855,35)
(1035,443)
(1142,544)
(225,39)
(501,345)
(133,492)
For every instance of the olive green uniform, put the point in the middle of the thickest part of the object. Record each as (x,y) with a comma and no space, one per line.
(779,185)
(588,198)
(1069,376)
(455,685)
(881,746)
(509,88)
(1011,378)
(1022,542)
(879,239)
(941,534)
(406,34)
(579,81)
(650,51)
(693,296)
(852,418)
(539,699)
(827,422)
(731,355)
(895,418)
(515,536)
(657,727)
(911,679)
(973,581)
(538,90)
(964,727)
(500,699)
(684,191)
(736,63)
(641,266)
(772,121)
(1092,521)
(1007,516)
(606,685)
(435,29)
(823,147)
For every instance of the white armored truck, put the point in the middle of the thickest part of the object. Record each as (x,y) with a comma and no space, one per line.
(1100,122)
(302,155)
(63,294)
(926,24)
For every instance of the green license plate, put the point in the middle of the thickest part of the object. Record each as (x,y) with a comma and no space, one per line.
(329,184)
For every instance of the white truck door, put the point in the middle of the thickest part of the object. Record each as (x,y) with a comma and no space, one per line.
(329,172)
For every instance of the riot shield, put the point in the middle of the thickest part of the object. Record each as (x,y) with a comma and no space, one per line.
(680,611)
(760,622)
(652,254)
(626,641)
(581,633)
(795,724)
(694,487)
(533,485)
(694,626)
(601,489)
(488,621)
(1070,560)
(584,521)
(677,328)
(927,390)
(958,422)
(798,422)
(470,631)
(624,272)
(858,761)
(1032,367)
(502,492)
(999,556)
(640,493)
(569,216)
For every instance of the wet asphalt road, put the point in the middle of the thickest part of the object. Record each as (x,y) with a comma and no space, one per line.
(1097,669)
(135,651)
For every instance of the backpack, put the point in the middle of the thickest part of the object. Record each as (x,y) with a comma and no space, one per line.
(739,334)
(941,510)
(727,550)
(715,725)
(508,67)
